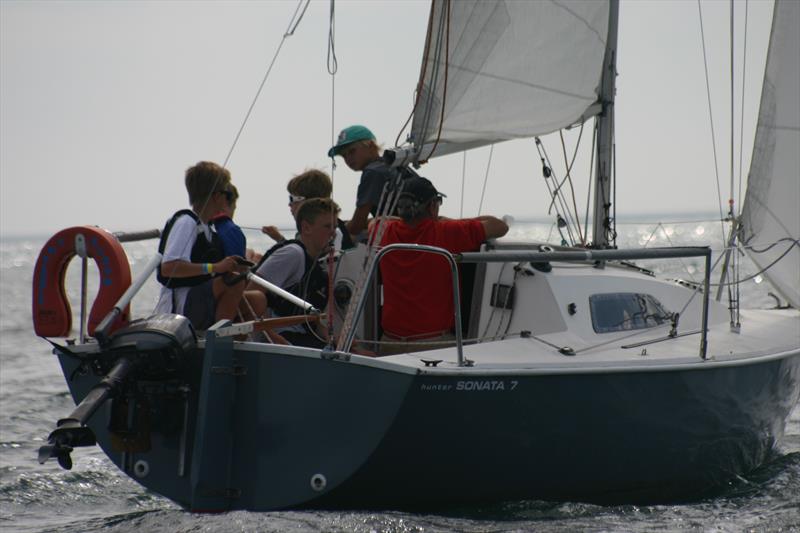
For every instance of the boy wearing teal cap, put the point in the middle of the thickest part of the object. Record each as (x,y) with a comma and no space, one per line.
(356,144)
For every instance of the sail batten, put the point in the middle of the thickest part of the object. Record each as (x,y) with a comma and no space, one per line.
(495,71)
(771,213)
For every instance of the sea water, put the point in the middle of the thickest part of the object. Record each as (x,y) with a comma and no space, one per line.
(95,496)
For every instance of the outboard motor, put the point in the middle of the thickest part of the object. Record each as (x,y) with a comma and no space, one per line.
(152,348)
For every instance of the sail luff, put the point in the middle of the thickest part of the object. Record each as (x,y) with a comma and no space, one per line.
(771,212)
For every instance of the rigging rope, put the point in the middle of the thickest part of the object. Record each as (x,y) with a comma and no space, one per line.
(333,68)
(557,199)
(659,225)
(421,81)
(444,88)
(568,177)
(795,242)
(591,178)
(486,179)
(711,117)
(733,301)
(741,118)
(731,199)
(737,272)
(611,234)
(294,22)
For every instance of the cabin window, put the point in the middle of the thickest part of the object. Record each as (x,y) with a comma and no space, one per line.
(623,311)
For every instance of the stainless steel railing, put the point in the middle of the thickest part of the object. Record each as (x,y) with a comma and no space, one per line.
(456,293)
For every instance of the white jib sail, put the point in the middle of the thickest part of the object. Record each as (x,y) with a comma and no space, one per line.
(771,213)
(516,69)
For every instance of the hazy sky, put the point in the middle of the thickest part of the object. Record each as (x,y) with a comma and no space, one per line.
(103,105)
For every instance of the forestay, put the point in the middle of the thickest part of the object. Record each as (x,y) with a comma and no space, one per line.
(516,69)
(771,214)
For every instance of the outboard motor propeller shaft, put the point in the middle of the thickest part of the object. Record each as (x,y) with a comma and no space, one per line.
(71,432)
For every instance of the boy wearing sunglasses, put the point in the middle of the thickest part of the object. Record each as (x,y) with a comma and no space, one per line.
(312,183)
(193,258)
(233,239)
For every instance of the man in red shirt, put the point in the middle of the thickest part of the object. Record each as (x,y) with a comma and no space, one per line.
(418,311)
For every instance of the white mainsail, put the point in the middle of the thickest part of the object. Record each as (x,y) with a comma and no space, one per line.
(771,214)
(515,69)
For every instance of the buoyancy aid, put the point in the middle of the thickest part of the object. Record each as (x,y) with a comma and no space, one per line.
(203,251)
(312,287)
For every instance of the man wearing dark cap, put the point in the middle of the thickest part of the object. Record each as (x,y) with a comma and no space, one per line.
(418,311)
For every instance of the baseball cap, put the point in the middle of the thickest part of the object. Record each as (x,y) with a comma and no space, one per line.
(420,189)
(349,135)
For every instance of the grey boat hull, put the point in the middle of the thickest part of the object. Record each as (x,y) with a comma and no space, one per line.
(252,427)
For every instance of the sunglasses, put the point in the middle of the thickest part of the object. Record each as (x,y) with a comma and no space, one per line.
(294,199)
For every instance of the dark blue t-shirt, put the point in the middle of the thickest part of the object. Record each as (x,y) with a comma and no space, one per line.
(233,240)
(373,178)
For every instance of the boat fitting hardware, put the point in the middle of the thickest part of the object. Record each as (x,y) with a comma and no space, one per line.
(318,482)
(399,157)
(232,330)
(330,354)
(141,468)
(524,334)
(572,308)
(502,296)
(524,269)
(342,294)
(661,339)
(431,362)
(542,267)
(675,317)
(80,251)
(566,350)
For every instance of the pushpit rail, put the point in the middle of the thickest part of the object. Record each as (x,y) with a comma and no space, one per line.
(597,256)
(456,293)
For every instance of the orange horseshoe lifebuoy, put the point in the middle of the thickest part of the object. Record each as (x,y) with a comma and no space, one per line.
(52,315)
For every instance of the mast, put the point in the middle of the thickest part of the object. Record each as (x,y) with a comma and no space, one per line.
(602,221)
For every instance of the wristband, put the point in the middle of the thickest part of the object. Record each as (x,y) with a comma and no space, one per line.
(208,268)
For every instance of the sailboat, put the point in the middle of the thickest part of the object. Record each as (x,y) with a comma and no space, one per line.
(585,377)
